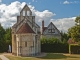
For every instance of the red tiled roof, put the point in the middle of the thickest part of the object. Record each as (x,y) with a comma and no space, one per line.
(71,42)
(25,28)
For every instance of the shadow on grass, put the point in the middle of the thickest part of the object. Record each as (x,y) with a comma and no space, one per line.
(56,56)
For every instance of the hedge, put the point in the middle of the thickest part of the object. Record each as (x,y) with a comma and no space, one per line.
(53,45)
(74,49)
(55,48)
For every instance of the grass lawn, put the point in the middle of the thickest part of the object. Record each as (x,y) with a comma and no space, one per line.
(49,56)
(20,58)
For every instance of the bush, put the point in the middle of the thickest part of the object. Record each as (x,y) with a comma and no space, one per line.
(74,49)
(53,45)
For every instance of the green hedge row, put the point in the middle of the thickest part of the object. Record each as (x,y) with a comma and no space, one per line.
(74,49)
(54,45)
(55,48)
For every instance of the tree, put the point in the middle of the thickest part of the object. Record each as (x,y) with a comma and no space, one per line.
(2,32)
(74,31)
(5,39)
(77,20)
(64,37)
(2,40)
(8,35)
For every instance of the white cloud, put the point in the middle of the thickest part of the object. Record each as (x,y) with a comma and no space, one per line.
(64,24)
(45,15)
(72,2)
(66,2)
(9,13)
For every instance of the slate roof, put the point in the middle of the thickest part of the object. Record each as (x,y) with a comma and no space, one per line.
(25,28)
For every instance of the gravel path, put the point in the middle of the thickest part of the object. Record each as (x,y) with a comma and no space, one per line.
(3,57)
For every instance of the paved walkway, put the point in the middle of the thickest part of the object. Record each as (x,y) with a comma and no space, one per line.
(3,57)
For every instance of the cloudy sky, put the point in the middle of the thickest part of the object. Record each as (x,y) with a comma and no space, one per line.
(61,12)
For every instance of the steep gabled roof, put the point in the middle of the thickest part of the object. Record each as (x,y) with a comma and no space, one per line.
(25,7)
(55,27)
(16,24)
(52,25)
(36,25)
(25,28)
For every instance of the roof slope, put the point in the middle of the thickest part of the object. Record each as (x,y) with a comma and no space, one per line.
(52,26)
(25,28)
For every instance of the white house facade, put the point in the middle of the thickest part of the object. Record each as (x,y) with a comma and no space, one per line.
(50,31)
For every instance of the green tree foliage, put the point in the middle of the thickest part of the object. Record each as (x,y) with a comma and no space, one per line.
(49,40)
(74,31)
(64,37)
(77,20)
(5,38)
(53,45)
(2,33)
(8,35)
(2,40)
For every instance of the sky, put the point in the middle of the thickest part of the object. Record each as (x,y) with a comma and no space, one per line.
(61,12)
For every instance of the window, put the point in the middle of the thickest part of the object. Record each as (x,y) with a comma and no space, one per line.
(25,44)
(23,13)
(33,43)
(15,37)
(28,13)
(51,30)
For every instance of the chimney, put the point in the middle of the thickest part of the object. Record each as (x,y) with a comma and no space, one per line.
(42,26)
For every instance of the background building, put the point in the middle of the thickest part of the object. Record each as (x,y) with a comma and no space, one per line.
(50,31)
